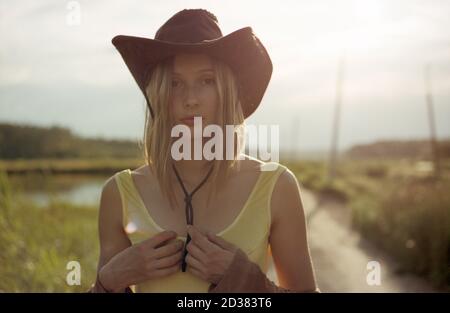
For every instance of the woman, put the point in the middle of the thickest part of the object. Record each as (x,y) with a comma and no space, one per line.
(244,208)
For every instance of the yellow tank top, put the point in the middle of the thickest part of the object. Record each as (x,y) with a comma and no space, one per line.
(249,231)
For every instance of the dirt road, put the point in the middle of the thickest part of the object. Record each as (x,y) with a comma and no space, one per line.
(340,256)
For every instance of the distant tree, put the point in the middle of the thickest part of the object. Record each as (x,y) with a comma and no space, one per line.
(20,141)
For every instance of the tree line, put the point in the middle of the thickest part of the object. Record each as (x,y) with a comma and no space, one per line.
(30,142)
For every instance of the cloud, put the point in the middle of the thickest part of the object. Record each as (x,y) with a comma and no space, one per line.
(49,66)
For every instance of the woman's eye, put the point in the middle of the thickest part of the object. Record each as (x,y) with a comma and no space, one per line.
(175,83)
(208,81)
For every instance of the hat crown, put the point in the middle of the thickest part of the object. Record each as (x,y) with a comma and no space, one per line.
(190,26)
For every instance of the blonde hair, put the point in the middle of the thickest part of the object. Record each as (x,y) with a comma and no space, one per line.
(157,138)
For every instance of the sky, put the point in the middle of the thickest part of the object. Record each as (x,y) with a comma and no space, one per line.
(58,70)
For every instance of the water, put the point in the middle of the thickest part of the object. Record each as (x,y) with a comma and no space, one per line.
(76,189)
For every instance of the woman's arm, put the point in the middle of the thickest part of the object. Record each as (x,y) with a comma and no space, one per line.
(288,236)
(112,237)
(288,240)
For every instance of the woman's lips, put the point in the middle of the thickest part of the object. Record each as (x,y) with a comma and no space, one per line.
(190,120)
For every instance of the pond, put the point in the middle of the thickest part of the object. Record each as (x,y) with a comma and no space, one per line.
(76,189)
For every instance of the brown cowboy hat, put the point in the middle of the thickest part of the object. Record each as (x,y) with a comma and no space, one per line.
(197,31)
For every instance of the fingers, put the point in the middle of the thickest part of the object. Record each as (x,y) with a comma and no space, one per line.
(168,249)
(169,261)
(200,239)
(193,262)
(196,272)
(196,252)
(161,238)
(167,271)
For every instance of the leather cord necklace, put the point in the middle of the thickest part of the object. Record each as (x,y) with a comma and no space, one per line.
(189,209)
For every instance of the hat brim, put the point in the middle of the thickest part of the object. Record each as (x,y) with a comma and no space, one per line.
(241,50)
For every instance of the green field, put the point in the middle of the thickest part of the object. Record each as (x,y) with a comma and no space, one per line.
(396,204)
(37,243)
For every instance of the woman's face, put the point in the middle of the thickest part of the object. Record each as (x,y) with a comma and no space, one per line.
(194,90)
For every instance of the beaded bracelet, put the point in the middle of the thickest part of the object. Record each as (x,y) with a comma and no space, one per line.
(127,289)
(101,285)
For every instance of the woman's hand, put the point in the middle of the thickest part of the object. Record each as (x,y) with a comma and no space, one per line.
(209,255)
(149,259)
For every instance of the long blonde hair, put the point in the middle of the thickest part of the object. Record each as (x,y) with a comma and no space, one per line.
(157,140)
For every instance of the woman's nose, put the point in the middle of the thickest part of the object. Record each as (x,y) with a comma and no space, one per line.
(191,97)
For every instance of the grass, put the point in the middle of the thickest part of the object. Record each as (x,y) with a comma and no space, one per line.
(397,205)
(393,204)
(37,244)
(411,221)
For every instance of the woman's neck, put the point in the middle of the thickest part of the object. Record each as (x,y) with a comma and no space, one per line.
(192,172)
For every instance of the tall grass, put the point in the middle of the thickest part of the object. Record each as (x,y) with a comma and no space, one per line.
(396,206)
(411,221)
(37,243)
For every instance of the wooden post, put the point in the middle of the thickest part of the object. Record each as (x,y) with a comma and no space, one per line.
(337,112)
(294,138)
(431,121)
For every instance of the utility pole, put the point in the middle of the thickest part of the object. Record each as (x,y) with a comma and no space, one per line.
(431,121)
(294,137)
(337,112)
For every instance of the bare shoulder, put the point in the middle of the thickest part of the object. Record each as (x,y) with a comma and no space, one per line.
(110,200)
(112,237)
(141,170)
(144,174)
(250,164)
(286,195)
(287,179)
(110,188)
